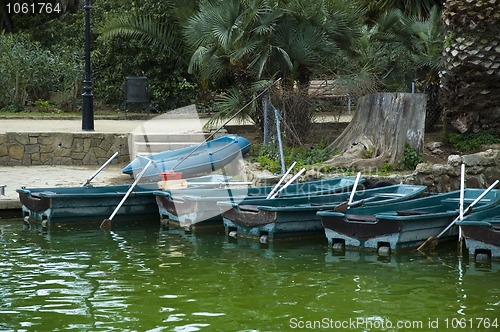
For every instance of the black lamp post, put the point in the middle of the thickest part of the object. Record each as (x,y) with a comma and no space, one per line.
(87,96)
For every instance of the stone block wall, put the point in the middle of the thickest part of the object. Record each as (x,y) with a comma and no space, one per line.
(481,170)
(27,149)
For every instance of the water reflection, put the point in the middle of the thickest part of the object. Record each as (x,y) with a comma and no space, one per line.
(159,279)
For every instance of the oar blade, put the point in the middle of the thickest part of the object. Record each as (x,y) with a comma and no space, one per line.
(106,224)
(429,245)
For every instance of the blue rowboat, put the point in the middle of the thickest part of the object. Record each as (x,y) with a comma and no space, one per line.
(402,225)
(189,207)
(71,206)
(481,231)
(210,156)
(296,217)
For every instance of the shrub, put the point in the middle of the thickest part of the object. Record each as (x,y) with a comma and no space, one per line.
(474,141)
(28,72)
(411,158)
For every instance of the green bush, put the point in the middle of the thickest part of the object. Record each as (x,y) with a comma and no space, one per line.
(269,158)
(28,72)
(474,141)
(411,158)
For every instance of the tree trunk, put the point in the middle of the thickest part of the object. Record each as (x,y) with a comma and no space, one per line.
(471,69)
(382,126)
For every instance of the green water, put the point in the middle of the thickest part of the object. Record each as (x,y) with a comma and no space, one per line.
(166,280)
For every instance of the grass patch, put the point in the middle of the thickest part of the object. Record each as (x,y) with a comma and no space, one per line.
(472,142)
(269,157)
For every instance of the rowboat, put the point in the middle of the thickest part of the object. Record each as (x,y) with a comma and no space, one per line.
(192,160)
(296,217)
(481,231)
(70,206)
(189,207)
(402,225)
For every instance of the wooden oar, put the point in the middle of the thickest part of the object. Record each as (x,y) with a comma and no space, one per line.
(343,207)
(289,182)
(87,182)
(281,180)
(461,207)
(433,240)
(106,223)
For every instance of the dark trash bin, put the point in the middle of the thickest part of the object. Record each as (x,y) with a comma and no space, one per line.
(136,90)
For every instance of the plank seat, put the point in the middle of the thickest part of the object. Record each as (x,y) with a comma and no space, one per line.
(249,208)
(412,212)
(360,217)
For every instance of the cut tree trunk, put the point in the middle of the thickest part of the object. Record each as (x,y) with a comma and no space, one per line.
(382,126)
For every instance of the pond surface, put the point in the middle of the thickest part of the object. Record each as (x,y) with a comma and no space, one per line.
(166,280)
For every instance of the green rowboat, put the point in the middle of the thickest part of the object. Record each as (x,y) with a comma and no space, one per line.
(402,225)
(296,217)
(481,231)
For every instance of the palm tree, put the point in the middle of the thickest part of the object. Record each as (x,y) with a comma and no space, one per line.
(240,42)
(418,8)
(422,38)
(470,76)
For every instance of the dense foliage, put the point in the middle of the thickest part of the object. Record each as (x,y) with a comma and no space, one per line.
(222,51)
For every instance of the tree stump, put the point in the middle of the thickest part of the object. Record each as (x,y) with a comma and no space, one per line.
(382,126)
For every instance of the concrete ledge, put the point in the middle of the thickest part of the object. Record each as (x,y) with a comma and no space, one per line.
(9,203)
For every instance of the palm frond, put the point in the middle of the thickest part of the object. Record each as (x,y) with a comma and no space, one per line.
(157,34)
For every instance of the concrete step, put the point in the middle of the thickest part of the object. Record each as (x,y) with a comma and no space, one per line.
(193,137)
(155,147)
(145,144)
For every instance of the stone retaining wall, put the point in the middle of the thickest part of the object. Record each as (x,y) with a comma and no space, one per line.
(481,169)
(25,149)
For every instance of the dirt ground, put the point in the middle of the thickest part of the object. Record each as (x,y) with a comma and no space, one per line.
(329,131)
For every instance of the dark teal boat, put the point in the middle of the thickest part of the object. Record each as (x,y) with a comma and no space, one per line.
(296,217)
(481,231)
(70,206)
(402,225)
(189,207)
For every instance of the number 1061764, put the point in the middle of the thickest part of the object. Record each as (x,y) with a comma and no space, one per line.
(33,8)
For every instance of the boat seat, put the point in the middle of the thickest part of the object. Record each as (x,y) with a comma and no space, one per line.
(385,195)
(412,212)
(466,200)
(37,195)
(360,217)
(248,208)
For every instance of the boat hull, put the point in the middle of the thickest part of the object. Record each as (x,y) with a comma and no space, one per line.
(375,233)
(200,206)
(193,160)
(72,206)
(78,205)
(481,231)
(400,226)
(297,217)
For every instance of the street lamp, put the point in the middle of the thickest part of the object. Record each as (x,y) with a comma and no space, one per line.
(87,96)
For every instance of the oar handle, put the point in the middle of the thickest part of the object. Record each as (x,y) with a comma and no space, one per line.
(86,183)
(139,176)
(281,180)
(354,188)
(469,208)
(289,182)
